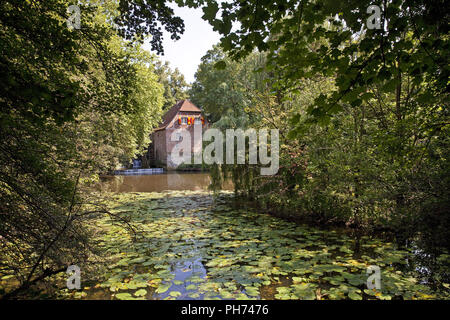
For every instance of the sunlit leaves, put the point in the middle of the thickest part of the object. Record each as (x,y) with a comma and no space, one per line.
(306,39)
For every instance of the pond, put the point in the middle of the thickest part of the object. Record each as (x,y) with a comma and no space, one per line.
(159,182)
(195,245)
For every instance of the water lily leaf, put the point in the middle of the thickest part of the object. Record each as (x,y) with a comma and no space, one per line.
(140,293)
(334,294)
(163,287)
(370,292)
(354,295)
(252,291)
(194,295)
(241,296)
(175,294)
(298,279)
(124,296)
(226,294)
(137,260)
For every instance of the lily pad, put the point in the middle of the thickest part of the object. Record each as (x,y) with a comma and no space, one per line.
(163,287)
(175,294)
(124,296)
(140,293)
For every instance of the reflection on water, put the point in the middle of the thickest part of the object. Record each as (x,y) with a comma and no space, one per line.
(184,271)
(159,182)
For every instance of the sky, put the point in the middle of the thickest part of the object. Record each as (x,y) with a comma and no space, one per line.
(198,38)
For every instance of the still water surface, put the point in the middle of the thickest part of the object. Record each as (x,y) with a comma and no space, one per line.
(159,182)
(195,246)
(191,245)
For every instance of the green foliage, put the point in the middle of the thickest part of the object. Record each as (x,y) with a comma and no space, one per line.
(73,104)
(138,19)
(307,38)
(366,143)
(222,86)
(175,86)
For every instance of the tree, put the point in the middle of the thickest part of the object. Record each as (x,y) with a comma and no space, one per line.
(227,90)
(413,42)
(73,103)
(138,19)
(175,86)
(368,110)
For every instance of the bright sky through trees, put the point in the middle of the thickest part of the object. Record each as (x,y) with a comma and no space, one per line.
(185,54)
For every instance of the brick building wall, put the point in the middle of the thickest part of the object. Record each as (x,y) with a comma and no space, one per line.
(159,148)
(162,146)
(195,147)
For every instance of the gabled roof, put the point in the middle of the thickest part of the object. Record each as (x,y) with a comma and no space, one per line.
(180,106)
(188,106)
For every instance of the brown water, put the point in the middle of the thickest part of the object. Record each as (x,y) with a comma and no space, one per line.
(159,182)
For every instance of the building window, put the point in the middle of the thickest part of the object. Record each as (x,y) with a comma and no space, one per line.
(197,121)
(184,120)
(178,136)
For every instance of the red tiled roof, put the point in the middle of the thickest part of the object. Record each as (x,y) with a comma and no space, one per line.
(188,106)
(183,106)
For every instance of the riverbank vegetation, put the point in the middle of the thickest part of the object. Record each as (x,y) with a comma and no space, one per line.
(362,113)
(74,103)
